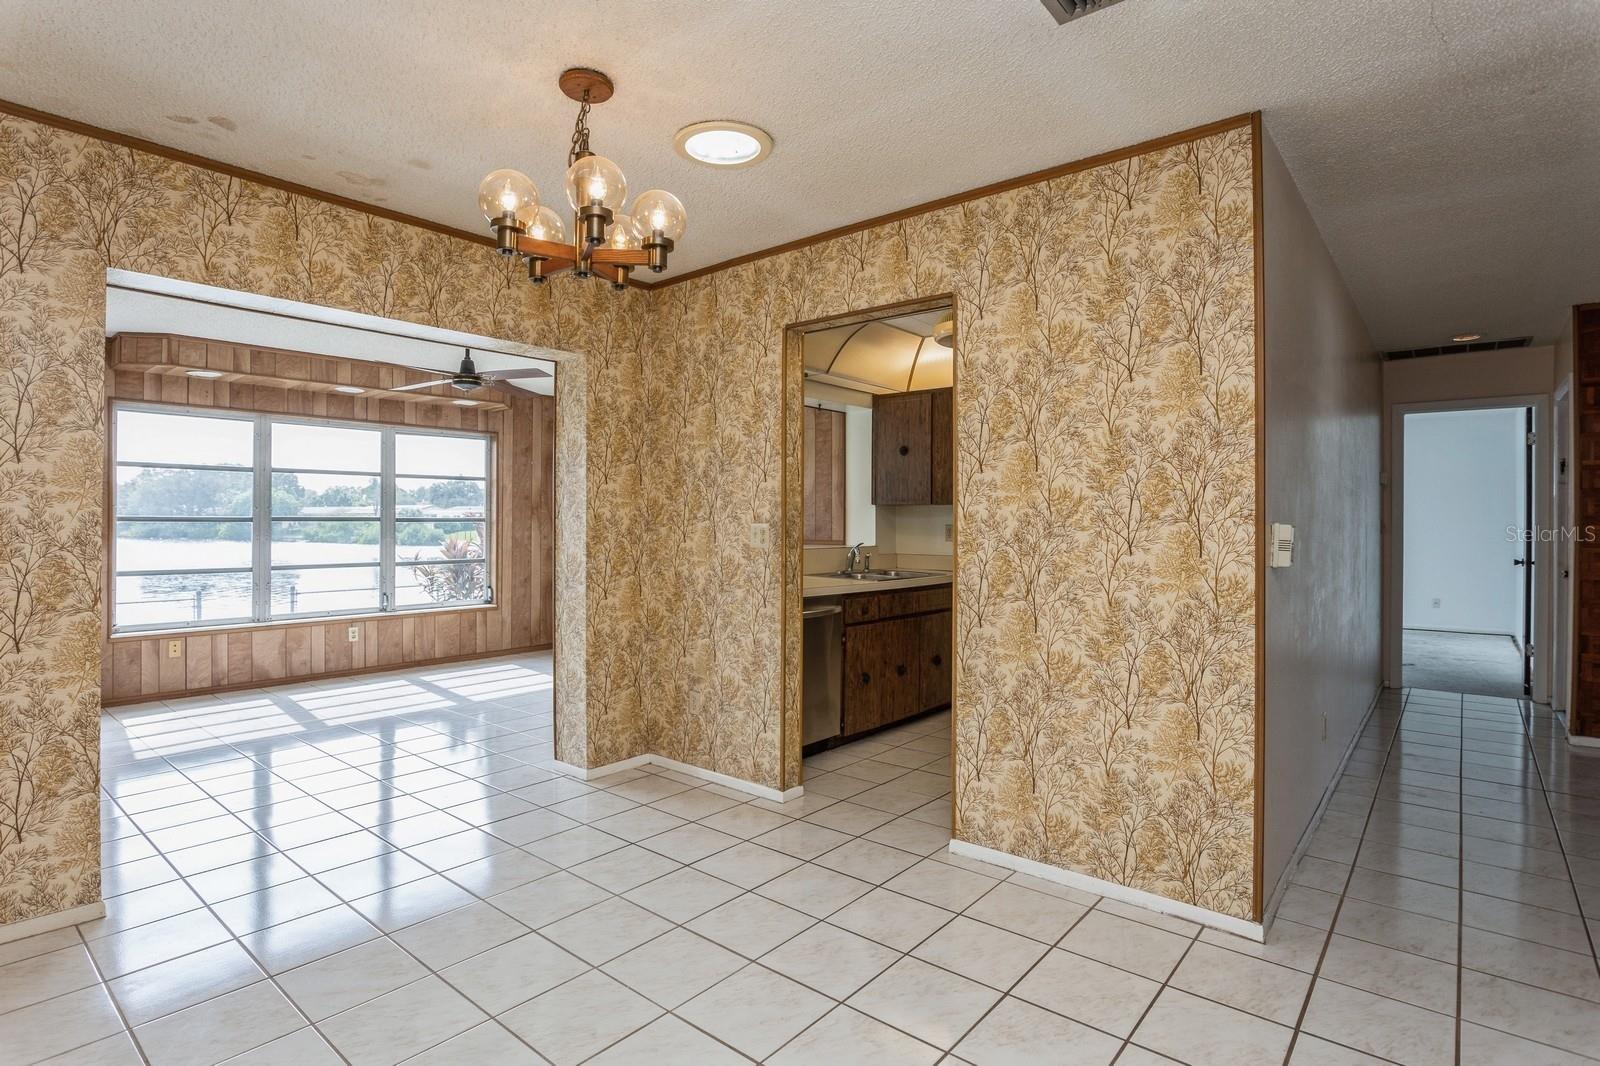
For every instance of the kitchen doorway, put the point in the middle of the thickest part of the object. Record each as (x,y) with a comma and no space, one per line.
(872,571)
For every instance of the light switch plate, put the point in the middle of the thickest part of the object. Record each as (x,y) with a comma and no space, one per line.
(758,534)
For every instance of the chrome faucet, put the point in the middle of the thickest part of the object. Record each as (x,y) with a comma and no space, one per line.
(853,557)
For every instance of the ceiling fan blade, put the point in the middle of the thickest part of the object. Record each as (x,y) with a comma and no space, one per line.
(421,385)
(505,387)
(504,375)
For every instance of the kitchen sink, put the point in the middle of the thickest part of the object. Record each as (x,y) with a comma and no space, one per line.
(880,575)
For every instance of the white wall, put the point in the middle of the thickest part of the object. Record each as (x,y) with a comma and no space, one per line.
(1465,484)
(1323,428)
(915,530)
(860,517)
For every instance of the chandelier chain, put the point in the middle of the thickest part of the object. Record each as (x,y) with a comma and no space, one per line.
(580,131)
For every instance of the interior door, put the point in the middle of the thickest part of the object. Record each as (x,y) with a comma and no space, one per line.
(1526,562)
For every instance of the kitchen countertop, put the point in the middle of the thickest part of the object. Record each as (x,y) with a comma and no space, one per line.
(817,585)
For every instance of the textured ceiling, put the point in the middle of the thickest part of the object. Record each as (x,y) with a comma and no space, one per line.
(1449,149)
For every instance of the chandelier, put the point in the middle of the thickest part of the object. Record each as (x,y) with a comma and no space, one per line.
(605,240)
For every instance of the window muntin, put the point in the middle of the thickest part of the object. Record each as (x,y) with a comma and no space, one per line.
(292,518)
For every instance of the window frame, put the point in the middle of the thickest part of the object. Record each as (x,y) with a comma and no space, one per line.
(261,518)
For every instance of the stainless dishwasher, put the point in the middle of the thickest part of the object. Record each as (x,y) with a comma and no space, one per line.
(822,675)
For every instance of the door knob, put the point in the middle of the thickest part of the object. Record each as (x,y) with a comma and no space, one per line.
(904,450)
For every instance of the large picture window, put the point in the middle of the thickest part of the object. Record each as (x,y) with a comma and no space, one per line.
(223,518)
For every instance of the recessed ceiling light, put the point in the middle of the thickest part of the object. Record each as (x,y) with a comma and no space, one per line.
(724,143)
(204,373)
(349,390)
(1462,338)
(465,403)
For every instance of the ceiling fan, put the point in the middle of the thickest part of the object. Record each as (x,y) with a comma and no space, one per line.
(469,377)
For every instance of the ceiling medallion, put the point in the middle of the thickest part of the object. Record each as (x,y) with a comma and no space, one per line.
(605,241)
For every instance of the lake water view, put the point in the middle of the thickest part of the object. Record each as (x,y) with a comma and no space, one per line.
(180,599)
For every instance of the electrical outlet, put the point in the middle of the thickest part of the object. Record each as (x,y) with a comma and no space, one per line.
(174,649)
(355,633)
(949,532)
(1436,603)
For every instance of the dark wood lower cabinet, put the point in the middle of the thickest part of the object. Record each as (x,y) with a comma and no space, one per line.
(881,682)
(897,654)
(933,645)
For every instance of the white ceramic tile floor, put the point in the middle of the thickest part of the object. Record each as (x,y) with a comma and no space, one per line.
(391,868)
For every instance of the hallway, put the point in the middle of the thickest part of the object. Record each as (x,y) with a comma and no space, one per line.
(1444,895)
(390,868)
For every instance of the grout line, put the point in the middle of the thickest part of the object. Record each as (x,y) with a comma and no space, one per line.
(209,909)
(1577,896)
(1333,922)
(387,934)
(429,721)
(115,1005)
(1148,1007)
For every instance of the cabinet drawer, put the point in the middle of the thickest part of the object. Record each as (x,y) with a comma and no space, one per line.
(874,606)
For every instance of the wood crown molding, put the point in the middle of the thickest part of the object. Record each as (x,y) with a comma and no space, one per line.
(140,144)
(1251,118)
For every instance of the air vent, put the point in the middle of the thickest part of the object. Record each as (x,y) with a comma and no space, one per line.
(1457,349)
(1067,10)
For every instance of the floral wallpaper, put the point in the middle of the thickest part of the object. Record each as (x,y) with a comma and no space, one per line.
(1105,701)
(70,208)
(1106,438)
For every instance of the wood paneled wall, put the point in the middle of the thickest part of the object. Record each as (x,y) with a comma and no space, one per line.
(1584,700)
(824,476)
(151,368)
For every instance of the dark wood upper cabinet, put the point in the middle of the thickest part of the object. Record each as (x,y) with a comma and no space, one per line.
(911,442)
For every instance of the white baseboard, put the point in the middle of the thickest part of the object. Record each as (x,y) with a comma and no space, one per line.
(589,773)
(47,923)
(1270,911)
(728,781)
(1227,923)
(725,780)
(1465,632)
(1583,742)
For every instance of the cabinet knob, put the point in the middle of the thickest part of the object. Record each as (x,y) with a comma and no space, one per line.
(900,670)
(866,678)
(904,450)
(938,660)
